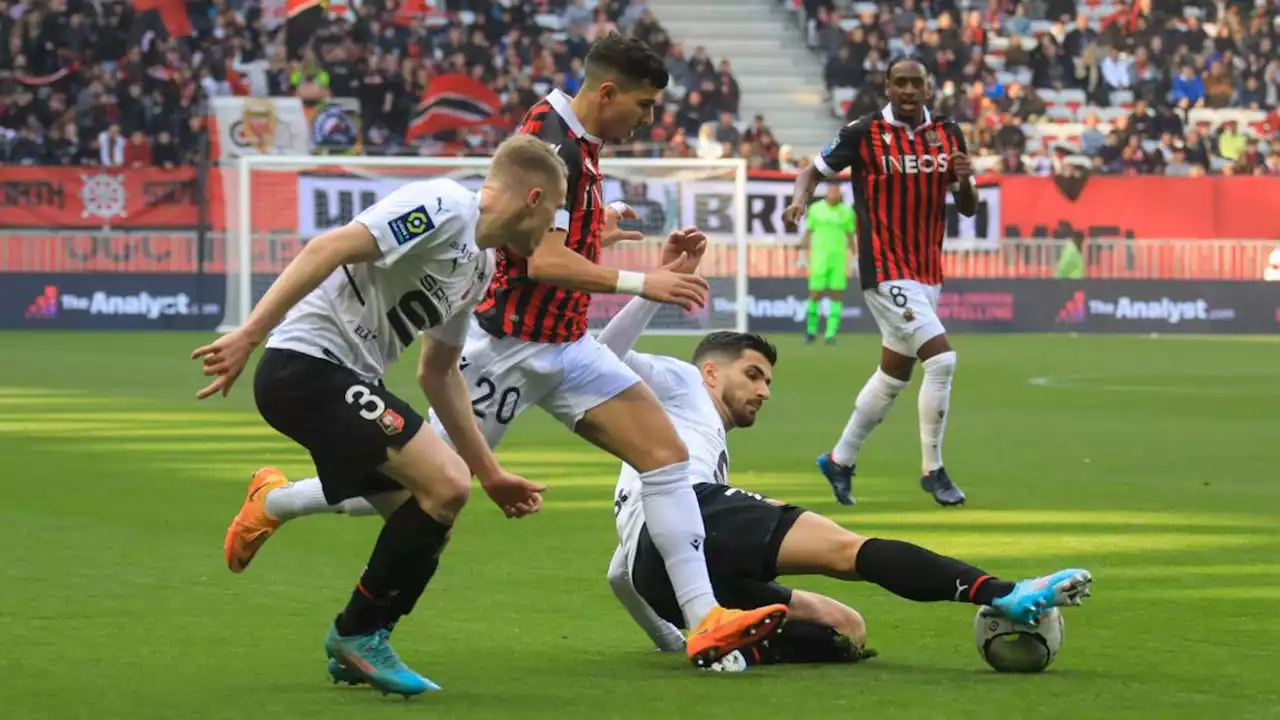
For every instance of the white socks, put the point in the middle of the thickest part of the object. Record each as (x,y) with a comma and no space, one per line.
(675,525)
(306,497)
(935,400)
(869,410)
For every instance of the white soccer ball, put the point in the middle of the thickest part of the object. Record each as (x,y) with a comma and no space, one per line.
(1010,646)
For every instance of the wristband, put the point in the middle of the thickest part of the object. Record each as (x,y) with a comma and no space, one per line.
(619,207)
(630,283)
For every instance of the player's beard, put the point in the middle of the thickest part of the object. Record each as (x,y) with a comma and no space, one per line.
(741,411)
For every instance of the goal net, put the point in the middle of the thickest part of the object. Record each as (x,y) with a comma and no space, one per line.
(275,204)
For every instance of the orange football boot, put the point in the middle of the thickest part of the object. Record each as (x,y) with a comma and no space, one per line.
(252,526)
(723,630)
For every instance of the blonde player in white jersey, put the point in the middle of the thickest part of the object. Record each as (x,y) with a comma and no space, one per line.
(751,539)
(343,310)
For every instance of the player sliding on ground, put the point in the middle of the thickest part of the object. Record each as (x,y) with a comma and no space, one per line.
(751,540)
(902,161)
(342,312)
(530,347)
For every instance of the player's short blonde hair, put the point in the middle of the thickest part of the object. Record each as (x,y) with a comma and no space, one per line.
(527,158)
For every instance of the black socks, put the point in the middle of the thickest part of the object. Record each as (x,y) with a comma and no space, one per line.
(403,562)
(912,572)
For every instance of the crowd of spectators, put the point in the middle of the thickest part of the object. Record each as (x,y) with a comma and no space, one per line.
(92,82)
(1154,86)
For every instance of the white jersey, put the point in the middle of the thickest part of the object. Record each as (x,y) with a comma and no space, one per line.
(679,388)
(430,277)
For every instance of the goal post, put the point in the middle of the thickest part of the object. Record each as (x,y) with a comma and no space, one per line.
(275,204)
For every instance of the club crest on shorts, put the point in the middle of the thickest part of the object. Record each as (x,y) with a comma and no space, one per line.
(391,422)
(412,225)
(907,315)
(931,138)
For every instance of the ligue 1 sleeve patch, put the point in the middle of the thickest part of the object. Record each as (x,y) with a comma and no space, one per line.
(412,225)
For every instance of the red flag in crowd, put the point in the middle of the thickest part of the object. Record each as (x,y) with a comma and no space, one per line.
(173,13)
(455,101)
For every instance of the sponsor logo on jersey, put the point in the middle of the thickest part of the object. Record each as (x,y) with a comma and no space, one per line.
(915,164)
(412,225)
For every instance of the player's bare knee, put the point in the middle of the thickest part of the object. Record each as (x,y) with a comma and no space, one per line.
(447,493)
(844,555)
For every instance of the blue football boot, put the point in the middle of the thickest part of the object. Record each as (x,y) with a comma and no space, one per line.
(938,484)
(370,658)
(1029,598)
(840,477)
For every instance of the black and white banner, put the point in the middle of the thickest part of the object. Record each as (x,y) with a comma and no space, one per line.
(327,201)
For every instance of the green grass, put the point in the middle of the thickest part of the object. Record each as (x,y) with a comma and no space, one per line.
(1151,462)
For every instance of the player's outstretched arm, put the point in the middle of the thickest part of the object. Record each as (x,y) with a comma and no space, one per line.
(555,264)
(441,380)
(682,253)
(226,357)
(665,636)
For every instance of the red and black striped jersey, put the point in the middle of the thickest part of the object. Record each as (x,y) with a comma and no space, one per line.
(517,305)
(901,176)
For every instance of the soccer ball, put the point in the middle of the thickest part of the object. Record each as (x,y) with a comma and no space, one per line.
(1010,646)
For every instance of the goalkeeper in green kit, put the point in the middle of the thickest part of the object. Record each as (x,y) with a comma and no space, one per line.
(830,235)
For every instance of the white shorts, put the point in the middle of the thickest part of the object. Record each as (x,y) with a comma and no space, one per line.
(509,375)
(907,313)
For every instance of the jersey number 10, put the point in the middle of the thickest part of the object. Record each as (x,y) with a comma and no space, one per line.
(414,312)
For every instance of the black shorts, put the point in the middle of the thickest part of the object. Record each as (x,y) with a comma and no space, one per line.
(744,534)
(346,422)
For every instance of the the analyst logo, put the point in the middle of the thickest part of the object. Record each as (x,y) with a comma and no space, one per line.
(44,307)
(1073,311)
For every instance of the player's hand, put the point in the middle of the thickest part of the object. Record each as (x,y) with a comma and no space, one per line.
(802,259)
(224,360)
(689,244)
(515,495)
(791,216)
(962,166)
(612,234)
(672,286)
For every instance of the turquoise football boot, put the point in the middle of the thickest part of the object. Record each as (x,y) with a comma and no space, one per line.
(370,658)
(1029,598)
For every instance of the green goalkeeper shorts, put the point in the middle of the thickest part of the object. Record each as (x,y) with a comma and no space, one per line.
(828,272)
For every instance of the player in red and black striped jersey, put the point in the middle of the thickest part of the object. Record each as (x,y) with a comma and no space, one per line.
(529,345)
(903,162)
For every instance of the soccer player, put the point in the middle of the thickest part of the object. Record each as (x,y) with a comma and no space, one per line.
(828,238)
(529,345)
(751,539)
(902,161)
(342,311)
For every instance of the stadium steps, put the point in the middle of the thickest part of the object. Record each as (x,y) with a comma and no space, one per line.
(779,77)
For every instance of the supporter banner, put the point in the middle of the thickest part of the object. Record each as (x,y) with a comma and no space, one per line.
(1088,306)
(76,198)
(259,126)
(112,301)
(327,201)
(1141,207)
(335,126)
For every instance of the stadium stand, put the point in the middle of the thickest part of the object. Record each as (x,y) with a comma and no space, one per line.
(109,84)
(1154,87)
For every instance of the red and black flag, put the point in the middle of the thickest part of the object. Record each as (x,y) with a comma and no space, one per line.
(173,13)
(452,102)
(303,19)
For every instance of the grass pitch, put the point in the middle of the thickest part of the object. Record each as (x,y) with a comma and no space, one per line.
(1150,462)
